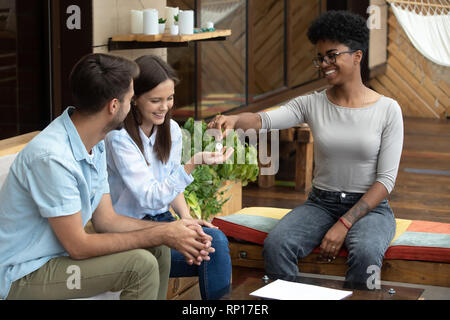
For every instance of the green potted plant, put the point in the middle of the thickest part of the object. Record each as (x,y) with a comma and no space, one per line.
(174,30)
(162,25)
(206,195)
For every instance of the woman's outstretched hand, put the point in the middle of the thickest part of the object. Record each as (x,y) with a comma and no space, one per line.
(209,158)
(213,158)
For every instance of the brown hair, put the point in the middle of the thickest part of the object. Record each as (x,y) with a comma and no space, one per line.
(153,72)
(98,78)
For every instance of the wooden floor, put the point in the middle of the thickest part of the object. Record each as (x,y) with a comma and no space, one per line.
(422,190)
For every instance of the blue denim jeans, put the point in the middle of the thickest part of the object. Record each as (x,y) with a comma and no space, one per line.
(215,274)
(303,228)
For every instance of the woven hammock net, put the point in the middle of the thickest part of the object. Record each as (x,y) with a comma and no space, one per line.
(427,26)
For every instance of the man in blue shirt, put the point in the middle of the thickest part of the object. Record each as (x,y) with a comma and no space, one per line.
(58,183)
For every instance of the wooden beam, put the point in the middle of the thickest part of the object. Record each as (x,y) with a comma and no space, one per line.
(283,96)
(410,92)
(15,144)
(303,166)
(415,85)
(412,108)
(419,272)
(395,32)
(434,90)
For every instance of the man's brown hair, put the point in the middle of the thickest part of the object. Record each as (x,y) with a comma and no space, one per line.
(99,78)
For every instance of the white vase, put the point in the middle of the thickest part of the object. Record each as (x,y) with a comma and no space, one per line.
(186,21)
(151,22)
(170,14)
(137,21)
(174,30)
(162,27)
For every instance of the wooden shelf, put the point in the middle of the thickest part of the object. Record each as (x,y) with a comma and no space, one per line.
(141,41)
(7,35)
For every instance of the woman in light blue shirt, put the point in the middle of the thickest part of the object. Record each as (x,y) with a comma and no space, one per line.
(146,176)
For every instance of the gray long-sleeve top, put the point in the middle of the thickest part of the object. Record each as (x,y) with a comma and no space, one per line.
(353,147)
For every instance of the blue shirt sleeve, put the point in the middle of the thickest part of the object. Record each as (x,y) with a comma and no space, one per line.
(104,185)
(53,187)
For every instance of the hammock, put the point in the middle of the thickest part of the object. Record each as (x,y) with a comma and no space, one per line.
(427,26)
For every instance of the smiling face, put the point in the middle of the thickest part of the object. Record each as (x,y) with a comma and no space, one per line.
(156,103)
(345,68)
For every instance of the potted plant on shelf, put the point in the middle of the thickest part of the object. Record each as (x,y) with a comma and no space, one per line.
(162,25)
(174,29)
(213,185)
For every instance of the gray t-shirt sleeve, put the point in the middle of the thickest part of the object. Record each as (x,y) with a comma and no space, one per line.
(390,148)
(287,116)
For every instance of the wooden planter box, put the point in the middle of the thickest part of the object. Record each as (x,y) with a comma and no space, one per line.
(188,288)
(234,189)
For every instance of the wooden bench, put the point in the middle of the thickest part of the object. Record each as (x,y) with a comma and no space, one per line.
(185,288)
(406,260)
(15,144)
(301,137)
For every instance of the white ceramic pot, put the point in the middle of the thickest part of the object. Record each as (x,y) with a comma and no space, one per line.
(162,27)
(174,30)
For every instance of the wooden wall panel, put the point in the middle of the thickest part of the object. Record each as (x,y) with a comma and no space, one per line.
(269,41)
(410,79)
(223,62)
(302,51)
(227,59)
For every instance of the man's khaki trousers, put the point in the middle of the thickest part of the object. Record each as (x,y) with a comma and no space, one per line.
(139,274)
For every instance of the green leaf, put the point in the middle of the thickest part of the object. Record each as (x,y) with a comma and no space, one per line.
(192,201)
(203,194)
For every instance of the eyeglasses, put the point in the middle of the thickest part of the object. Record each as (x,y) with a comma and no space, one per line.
(329,58)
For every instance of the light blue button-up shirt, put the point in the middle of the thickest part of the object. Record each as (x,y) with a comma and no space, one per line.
(138,189)
(52,176)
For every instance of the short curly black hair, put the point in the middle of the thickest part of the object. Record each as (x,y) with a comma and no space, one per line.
(344,27)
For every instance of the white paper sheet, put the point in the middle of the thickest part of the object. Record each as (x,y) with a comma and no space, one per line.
(286,290)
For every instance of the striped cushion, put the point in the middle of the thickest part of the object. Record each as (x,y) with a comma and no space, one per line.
(413,240)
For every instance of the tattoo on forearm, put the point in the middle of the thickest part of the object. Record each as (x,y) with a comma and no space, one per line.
(359,210)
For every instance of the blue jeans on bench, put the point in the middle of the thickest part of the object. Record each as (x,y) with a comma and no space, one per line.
(215,274)
(302,230)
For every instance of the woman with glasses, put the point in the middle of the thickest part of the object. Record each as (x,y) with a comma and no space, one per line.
(358,138)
